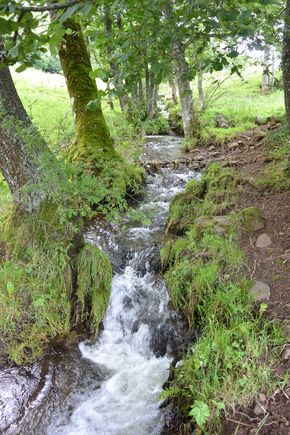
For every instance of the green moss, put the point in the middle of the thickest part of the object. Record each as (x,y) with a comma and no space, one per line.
(93,143)
(251,219)
(94,277)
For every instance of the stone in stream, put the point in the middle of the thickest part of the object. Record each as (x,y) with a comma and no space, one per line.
(263,241)
(260,291)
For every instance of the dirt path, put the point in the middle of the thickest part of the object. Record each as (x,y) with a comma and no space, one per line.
(268,252)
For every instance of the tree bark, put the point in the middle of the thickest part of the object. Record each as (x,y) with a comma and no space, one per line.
(191,125)
(21,147)
(172,84)
(200,89)
(286,63)
(266,71)
(93,143)
(189,119)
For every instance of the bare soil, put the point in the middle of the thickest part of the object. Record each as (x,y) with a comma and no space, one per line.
(250,154)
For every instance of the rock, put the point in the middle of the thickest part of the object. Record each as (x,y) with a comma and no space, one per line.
(258,410)
(258,120)
(286,329)
(221,122)
(233,145)
(286,354)
(263,241)
(252,219)
(199,157)
(219,225)
(260,291)
(211,148)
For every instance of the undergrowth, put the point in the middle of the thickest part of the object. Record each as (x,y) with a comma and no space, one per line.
(275,177)
(231,361)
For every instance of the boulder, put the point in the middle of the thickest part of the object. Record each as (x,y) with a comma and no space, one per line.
(260,291)
(263,241)
(221,121)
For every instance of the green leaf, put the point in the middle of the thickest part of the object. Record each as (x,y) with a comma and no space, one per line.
(69,12)
(10,288)
(39,302)
(200,412)
(21,68)
(7,26)
(93,105)
(98,73)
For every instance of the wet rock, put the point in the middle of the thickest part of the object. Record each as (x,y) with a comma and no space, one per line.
(221,121)
(263,241)
(252,219)
(260,291)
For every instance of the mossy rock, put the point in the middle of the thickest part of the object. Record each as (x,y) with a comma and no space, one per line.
(252,219)
(218,225)
(184,208)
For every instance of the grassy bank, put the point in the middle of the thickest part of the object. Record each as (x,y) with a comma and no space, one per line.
(205,271)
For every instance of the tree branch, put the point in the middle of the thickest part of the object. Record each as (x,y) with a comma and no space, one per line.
(52,7)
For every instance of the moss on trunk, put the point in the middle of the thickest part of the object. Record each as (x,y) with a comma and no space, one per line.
(93,143)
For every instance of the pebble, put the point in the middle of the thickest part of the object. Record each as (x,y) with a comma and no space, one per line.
(260,291)
(263,241)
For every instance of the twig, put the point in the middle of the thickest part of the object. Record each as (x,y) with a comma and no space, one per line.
(239,422)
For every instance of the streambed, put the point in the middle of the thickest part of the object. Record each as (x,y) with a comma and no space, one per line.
(112,386)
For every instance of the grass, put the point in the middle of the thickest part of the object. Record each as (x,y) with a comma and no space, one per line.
(232,360)
(241,102)
(275,177)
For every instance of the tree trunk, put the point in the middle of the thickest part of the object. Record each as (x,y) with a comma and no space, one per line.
(266,71)
(93,143)
(117,79)
(172,84)
(273,69)
(189,119)
(286,63)
(110,100)
(200,89)
(21,147)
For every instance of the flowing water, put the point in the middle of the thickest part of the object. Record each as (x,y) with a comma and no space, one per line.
(111,387)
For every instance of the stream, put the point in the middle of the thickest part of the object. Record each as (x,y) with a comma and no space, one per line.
(111,386)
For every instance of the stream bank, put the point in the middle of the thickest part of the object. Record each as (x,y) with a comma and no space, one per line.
(227,268)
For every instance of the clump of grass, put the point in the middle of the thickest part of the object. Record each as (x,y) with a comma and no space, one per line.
(232,360)
(94,277)
(275,177)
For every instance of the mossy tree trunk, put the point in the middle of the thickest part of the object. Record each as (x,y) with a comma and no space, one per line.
(21,147)
(93,143)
